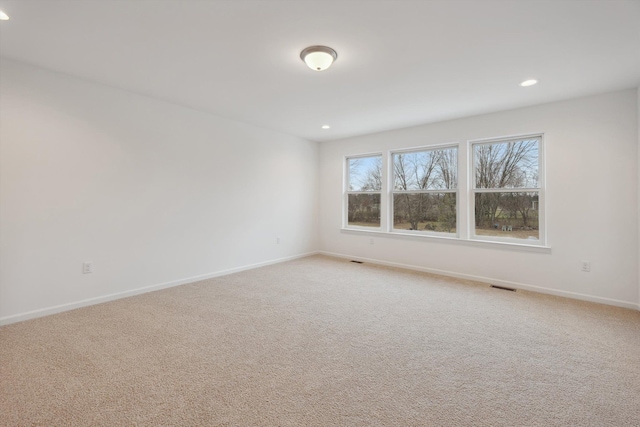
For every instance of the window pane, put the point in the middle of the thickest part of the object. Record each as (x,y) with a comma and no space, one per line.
(365,173)
(426,170)
(425,212)
(511,164)
(512,215)
(364,210)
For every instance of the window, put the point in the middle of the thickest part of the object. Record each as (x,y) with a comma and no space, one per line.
(507,189)
(363,191)
(415,192)
(424,191)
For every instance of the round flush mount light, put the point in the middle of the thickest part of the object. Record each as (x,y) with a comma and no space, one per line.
(3,16)
(318,58)
(528,83)
(326,127)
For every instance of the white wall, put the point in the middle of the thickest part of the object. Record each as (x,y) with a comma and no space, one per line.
(638,170)
(152,193)
(592,200)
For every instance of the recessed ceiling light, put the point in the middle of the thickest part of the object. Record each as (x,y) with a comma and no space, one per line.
(318,58)
(3,16)
(326,127)
(528,83)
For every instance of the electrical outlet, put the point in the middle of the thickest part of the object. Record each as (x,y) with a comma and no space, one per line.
(586,266)
(371,241)
(87,267)
(278,240)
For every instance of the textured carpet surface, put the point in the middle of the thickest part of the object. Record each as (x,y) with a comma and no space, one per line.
(324,342)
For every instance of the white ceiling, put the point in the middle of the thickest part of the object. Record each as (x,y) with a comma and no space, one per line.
(400,63)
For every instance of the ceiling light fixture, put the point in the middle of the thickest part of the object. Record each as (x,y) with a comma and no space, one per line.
(326,127)
(318,58)
(528,83)
(3,16)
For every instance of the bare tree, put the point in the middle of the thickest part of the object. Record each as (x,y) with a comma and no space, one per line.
(364,208)
(428,170)
(448,168)
(373,178)
(502,165)
(354,169)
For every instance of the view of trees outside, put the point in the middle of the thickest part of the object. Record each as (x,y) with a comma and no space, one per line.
(363,194)
(424,193)
(506,189)
(510,165)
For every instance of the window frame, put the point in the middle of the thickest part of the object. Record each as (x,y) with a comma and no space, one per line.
(347,192)
(472,190)
(392,191)
(465,199)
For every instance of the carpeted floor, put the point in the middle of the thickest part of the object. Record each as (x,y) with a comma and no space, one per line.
(325,342)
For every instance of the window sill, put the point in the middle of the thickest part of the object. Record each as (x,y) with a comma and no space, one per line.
(509,246)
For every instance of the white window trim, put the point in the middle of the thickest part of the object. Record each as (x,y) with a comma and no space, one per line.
(472,191)
(509,246)
(390,191)
(465,214)
(346,192)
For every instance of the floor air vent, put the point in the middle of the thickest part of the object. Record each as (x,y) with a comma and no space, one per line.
(357,262)
(504,288)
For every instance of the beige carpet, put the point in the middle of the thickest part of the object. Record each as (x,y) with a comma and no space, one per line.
(325,342)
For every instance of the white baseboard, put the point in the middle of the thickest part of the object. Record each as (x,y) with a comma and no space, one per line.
(105,298)
(532,288)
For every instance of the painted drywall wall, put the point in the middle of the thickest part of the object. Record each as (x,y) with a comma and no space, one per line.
(638,171)
(592,200)
(152,193)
